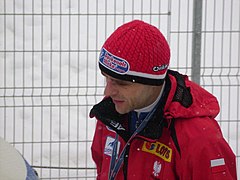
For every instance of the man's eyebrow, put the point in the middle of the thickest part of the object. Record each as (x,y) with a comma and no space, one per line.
(119,81)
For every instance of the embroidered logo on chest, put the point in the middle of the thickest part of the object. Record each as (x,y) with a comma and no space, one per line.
(156,168)
(109,146)
(158,149)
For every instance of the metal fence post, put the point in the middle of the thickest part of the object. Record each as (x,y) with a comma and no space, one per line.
(196,40)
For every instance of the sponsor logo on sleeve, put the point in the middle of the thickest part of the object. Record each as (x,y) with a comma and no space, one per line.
(218,165)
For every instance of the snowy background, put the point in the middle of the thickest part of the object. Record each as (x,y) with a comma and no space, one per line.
(49,77)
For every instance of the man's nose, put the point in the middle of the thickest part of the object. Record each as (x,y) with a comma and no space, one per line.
(110,88)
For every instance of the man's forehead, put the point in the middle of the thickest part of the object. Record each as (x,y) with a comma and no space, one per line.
(115,79)
(108,76)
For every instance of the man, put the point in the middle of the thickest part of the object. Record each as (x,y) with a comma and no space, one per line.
(154,123)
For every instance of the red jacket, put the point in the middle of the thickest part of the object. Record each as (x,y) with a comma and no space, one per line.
(189,145)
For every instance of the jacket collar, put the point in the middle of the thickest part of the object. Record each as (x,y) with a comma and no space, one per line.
(106,113)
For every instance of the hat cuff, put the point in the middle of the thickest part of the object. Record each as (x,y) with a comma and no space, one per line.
(132,78)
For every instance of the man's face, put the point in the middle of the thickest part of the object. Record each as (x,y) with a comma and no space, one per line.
(128,96)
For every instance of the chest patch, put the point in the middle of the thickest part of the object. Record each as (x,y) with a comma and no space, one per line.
(109,146)
(158,149)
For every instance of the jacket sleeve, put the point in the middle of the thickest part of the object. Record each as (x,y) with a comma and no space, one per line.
(209,160)
(97,149)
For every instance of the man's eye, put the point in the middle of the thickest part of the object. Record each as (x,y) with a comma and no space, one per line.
(123,83)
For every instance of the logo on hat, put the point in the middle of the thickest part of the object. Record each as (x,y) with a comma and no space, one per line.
(160,68)
(113,63)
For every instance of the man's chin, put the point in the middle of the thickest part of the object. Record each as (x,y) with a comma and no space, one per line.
(121,111)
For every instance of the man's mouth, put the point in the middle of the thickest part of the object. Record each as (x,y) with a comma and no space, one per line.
(116,101)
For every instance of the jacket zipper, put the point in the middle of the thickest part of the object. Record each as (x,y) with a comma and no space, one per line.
(125,163)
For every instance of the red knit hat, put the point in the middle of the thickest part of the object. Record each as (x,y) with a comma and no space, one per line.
(136,52)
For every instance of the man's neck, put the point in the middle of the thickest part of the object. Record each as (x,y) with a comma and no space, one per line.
(151,106)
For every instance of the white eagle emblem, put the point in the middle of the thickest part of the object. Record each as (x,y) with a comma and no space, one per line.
(156,168)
